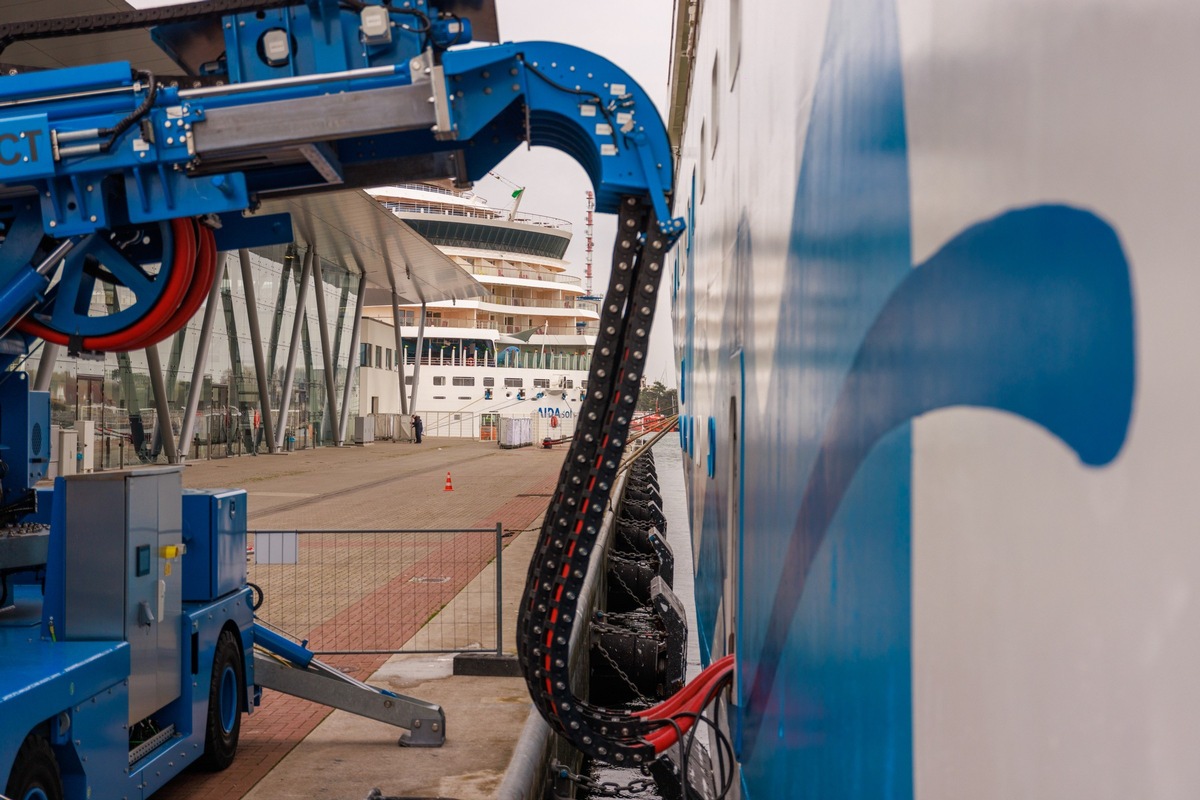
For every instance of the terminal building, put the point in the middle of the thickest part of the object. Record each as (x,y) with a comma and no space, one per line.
(271,361)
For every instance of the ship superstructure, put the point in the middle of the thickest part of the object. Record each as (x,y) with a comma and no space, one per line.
(521,349)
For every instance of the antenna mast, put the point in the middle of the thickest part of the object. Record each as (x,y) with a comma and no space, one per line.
(591,206)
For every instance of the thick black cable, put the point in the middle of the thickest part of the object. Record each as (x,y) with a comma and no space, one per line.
(134,116)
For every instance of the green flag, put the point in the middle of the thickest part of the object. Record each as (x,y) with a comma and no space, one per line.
(517,193)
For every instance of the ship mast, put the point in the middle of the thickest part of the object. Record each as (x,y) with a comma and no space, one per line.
(591,206)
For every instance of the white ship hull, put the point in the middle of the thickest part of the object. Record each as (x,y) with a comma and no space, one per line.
(936,320)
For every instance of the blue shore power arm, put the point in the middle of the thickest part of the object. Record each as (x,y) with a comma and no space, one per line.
(126,632)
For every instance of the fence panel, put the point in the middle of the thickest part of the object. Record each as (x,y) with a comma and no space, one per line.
(454,424)
(382,591)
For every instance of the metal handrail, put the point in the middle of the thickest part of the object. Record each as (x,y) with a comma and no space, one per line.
(526,274)
(425,209)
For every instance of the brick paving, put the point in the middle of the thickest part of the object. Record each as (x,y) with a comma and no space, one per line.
(382,486)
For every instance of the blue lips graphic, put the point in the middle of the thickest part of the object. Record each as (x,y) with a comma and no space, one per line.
(1068,368)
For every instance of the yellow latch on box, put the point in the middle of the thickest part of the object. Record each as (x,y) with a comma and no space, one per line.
(171,551)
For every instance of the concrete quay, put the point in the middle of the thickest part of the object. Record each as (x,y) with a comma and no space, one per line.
(291,748)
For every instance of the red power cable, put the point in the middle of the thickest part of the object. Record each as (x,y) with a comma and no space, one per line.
(197,290)
(685,706)
(182,268)
(711,674)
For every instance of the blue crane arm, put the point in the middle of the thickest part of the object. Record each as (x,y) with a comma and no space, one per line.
(566,98)
(103,145)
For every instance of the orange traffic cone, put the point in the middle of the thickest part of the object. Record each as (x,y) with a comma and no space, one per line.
(449,485)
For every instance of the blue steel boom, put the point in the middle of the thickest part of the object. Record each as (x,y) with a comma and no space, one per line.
(285,99)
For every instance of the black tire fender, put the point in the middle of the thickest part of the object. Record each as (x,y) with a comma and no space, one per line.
(35,772)
(226,699)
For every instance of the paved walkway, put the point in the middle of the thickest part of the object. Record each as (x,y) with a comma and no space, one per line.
(336,755)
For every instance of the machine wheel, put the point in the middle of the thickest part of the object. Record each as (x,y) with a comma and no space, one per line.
(35,774)
(256,596)
(224,705)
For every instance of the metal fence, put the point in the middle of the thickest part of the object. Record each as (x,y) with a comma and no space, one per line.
(382,591)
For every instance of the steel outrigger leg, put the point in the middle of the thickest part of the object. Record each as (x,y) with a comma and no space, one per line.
(296,672)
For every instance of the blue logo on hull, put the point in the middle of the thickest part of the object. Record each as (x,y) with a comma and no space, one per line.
(1030,312)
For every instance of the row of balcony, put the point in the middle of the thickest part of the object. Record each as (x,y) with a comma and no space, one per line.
(526,273)
(590,329)
(529,360)
(534,302)
(417,207)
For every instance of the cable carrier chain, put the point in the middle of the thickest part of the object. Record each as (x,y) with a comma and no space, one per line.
(128,616)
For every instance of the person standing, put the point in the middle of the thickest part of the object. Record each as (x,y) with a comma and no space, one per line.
(418,428)
(258,431)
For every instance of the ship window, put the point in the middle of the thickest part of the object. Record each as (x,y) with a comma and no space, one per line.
(408,380)
(541,383)
(439,397)
(388,360)
(464,397)
(379,356)
(735,40)
(715,97)
(489,381)
(583,384)
(514,383)
(462,380)
(570,383)
(439,380)
(364,355)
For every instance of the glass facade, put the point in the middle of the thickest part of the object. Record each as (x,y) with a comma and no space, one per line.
(113,390)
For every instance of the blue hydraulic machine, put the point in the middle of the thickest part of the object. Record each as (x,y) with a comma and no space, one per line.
(127,637)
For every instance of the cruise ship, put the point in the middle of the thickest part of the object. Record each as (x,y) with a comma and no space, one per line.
(522,349)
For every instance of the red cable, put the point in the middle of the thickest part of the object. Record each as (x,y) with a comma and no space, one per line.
(685,706)
(178,281)
(712,673)
(183,263)
(197,290)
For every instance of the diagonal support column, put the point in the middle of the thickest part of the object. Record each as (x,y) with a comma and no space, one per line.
(400,354)
(160,403)
(45,370)
(260,363)
(289,375)
(352,357)
(326,350)
(206,328)
(412,403)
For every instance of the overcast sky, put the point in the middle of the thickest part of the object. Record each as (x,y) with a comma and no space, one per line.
(635,35)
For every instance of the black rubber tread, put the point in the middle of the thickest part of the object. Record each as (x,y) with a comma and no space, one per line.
(35,768)
(221,747)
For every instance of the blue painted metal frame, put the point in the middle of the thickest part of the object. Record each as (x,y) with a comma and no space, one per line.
(576,101)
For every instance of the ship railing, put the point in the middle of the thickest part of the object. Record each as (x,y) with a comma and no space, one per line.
(432,189)
(506,360)
(482,324)
(425,209)
(533,302)
(526,274)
